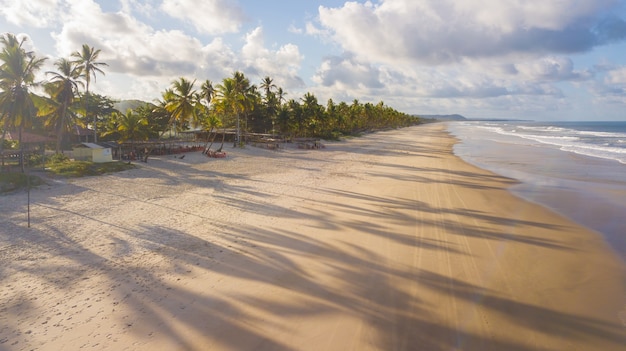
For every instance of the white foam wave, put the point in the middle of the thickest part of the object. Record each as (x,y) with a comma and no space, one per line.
(570,143)
(615,154)
(602,134)
(544,128)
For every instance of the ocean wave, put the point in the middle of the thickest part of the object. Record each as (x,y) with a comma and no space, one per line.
(600,144)
(536,137)
(544,128)
(602,134)
(609,153)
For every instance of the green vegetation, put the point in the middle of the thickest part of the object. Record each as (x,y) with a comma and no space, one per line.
(15,181)
(236,103)
(85,168)
(61,165)
(58,165)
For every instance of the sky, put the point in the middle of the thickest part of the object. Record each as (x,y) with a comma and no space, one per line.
(530,59)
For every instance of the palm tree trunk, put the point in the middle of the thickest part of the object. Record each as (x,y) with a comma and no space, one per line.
(237,136)
(21,148)
(60,128)
(4,134)
(223,138)
(207,147)
(212,140)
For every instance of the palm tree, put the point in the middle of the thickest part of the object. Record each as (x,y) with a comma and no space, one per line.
(311,114)
(280,95)
(246,94)
(270,100)
(207,92)
(87,61)
(209,121)
(227,103)
(63,88)
(182,102)
(17,77)
(131,126)
(267,84)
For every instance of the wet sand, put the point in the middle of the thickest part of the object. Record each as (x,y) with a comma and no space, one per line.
(385,242)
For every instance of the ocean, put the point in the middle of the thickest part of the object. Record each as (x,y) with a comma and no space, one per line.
(577,169)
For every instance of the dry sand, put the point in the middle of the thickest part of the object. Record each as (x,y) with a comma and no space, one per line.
(386,242)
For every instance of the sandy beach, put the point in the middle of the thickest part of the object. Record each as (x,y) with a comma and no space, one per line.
(384,242)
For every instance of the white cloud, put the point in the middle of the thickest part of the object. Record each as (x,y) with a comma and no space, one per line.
(295,30)
(344,72)
(444,31)
(36,13)
(551,69)
(281,64)
(137,52)
(417,55)
(617,76)
(208,16)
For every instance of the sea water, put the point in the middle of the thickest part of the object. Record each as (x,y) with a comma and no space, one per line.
(577,169)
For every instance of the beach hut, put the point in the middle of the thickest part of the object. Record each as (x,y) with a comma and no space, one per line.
(92,152)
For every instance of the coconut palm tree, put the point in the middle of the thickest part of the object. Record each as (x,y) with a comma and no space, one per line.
(63,89)
(246,94)
(267,84)
(182,102)
(17,77)
(210,123)
(280,95)
(270,100)
(227,102)
(86,59)
(209,120)
(131,126)
(207,92)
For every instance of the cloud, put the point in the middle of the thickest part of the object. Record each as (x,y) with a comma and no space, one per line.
(355,78)
(551,68)
(208,16)
(617,76)
(147,56)
(346,71)
(444,31)
(131,47)
(281,64)
(36,13)
(613,87)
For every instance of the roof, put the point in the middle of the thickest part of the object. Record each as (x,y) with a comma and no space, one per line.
(29,138)
(108,144)
(81,131)
(91,146)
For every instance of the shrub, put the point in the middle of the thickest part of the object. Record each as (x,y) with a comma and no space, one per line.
(14,181)
(34,160)
(58,158)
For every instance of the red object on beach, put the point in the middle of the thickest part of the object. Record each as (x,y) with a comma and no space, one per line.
(216,154)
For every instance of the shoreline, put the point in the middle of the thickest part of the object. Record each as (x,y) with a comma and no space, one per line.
(591,200)
(387,241)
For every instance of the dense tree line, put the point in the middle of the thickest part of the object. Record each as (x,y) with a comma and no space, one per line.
(235,102)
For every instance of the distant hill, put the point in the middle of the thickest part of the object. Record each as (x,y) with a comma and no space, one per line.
(124,105)
(454,117)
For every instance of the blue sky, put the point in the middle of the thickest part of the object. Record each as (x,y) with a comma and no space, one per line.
(531,59)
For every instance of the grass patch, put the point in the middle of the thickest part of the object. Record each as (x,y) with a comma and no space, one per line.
(64,168)
(15,181)
(85,168)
